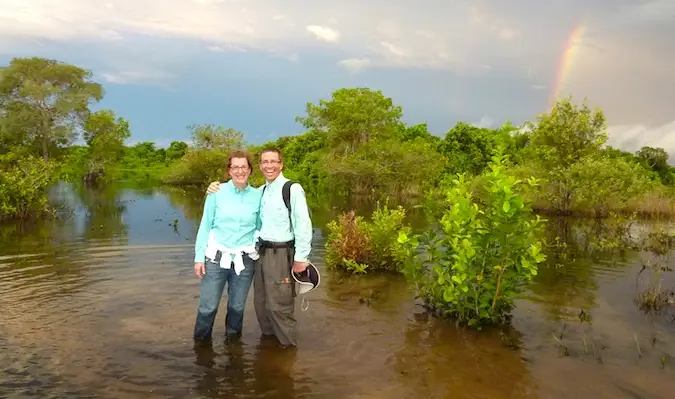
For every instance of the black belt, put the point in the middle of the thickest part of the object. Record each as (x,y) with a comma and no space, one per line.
(274,244)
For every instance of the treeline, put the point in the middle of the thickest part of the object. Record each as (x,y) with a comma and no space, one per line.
(355,145)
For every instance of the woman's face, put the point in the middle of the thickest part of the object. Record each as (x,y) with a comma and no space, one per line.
(239,170)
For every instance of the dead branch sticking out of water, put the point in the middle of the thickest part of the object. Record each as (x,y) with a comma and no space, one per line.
(637,346)
(564,349)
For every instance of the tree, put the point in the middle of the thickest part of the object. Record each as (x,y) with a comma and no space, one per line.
(353,117)
(421,131)
(469,148)
(211,137)
(105,136)
(655,159)
(387,168)
(176,150)
(568,133)
(45,101)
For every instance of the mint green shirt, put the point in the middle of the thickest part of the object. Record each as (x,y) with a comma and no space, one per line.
(232,214)
(274,217)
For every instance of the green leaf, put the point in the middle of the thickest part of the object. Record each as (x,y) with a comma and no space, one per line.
(506,207)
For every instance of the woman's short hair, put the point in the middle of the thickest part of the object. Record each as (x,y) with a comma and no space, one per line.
(239,154)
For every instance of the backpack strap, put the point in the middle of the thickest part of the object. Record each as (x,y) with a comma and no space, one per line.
(286,194)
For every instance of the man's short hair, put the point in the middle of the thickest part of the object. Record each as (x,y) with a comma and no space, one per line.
(240,154)
(272,149)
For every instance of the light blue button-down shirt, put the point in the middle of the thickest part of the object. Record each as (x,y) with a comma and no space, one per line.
(232,214)
(274,217)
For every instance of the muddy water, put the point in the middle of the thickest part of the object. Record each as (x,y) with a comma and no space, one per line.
(102,304)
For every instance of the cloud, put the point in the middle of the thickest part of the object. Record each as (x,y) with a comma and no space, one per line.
(324,34)
(633,137)
(485,122)
(623,62)
(355,65)
(136,77)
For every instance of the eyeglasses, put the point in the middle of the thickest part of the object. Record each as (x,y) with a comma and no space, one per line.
(272,162)
(238,167)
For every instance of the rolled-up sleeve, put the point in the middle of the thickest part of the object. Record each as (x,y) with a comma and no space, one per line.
(302,224)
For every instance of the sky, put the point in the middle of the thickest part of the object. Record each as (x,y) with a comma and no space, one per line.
(254,64)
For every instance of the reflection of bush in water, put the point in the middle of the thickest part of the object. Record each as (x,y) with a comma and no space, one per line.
(434,349)
(380,291)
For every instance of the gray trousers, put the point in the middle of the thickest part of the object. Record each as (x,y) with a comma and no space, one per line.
(274,294)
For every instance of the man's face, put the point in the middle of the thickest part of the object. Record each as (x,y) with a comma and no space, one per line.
(270,165)
(239,170)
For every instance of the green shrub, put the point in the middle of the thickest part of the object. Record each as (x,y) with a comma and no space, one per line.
(24,180)
(198,167)
(484,254)
(357,245)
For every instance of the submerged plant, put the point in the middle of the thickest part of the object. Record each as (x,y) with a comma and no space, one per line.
(484,255)
(655,298)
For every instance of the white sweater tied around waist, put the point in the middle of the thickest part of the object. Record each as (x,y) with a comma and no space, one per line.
(212,248)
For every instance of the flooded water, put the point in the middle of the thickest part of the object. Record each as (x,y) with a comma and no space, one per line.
(102,304)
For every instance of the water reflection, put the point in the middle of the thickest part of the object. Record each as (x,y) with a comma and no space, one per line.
(108,311)
(439,360)
(233,371)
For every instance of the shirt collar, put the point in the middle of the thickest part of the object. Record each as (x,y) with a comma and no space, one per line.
(235,189)
(279,180)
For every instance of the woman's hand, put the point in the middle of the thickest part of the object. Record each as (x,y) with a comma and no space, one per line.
(213,187)
(200,269)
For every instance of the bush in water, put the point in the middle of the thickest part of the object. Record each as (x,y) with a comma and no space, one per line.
(357,245)
(23,183)
(483,255)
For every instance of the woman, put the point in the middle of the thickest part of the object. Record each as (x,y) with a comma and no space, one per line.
(225,250)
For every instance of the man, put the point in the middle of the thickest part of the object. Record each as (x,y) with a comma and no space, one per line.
(284,246)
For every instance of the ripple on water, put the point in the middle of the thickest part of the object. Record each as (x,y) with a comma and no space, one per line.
(112,318)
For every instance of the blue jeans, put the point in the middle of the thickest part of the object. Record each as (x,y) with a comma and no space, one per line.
(211,290)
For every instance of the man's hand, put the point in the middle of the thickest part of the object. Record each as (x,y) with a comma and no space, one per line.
(200,269)
(213,187)
(299,267)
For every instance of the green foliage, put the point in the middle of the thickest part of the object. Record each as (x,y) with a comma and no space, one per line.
(45,101)
(388,168)
(353,117)
(415,132)
(568,133)
(105,135)
(656,159)
(211,137)
(653,158)
(207,160)
(600,184)
(303,159)
(176,150)
(198,167)
(469,148)
(356,147)
(357,245)
(24,179)
(484,254)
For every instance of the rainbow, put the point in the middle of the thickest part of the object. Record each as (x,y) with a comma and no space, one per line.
(566,62)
